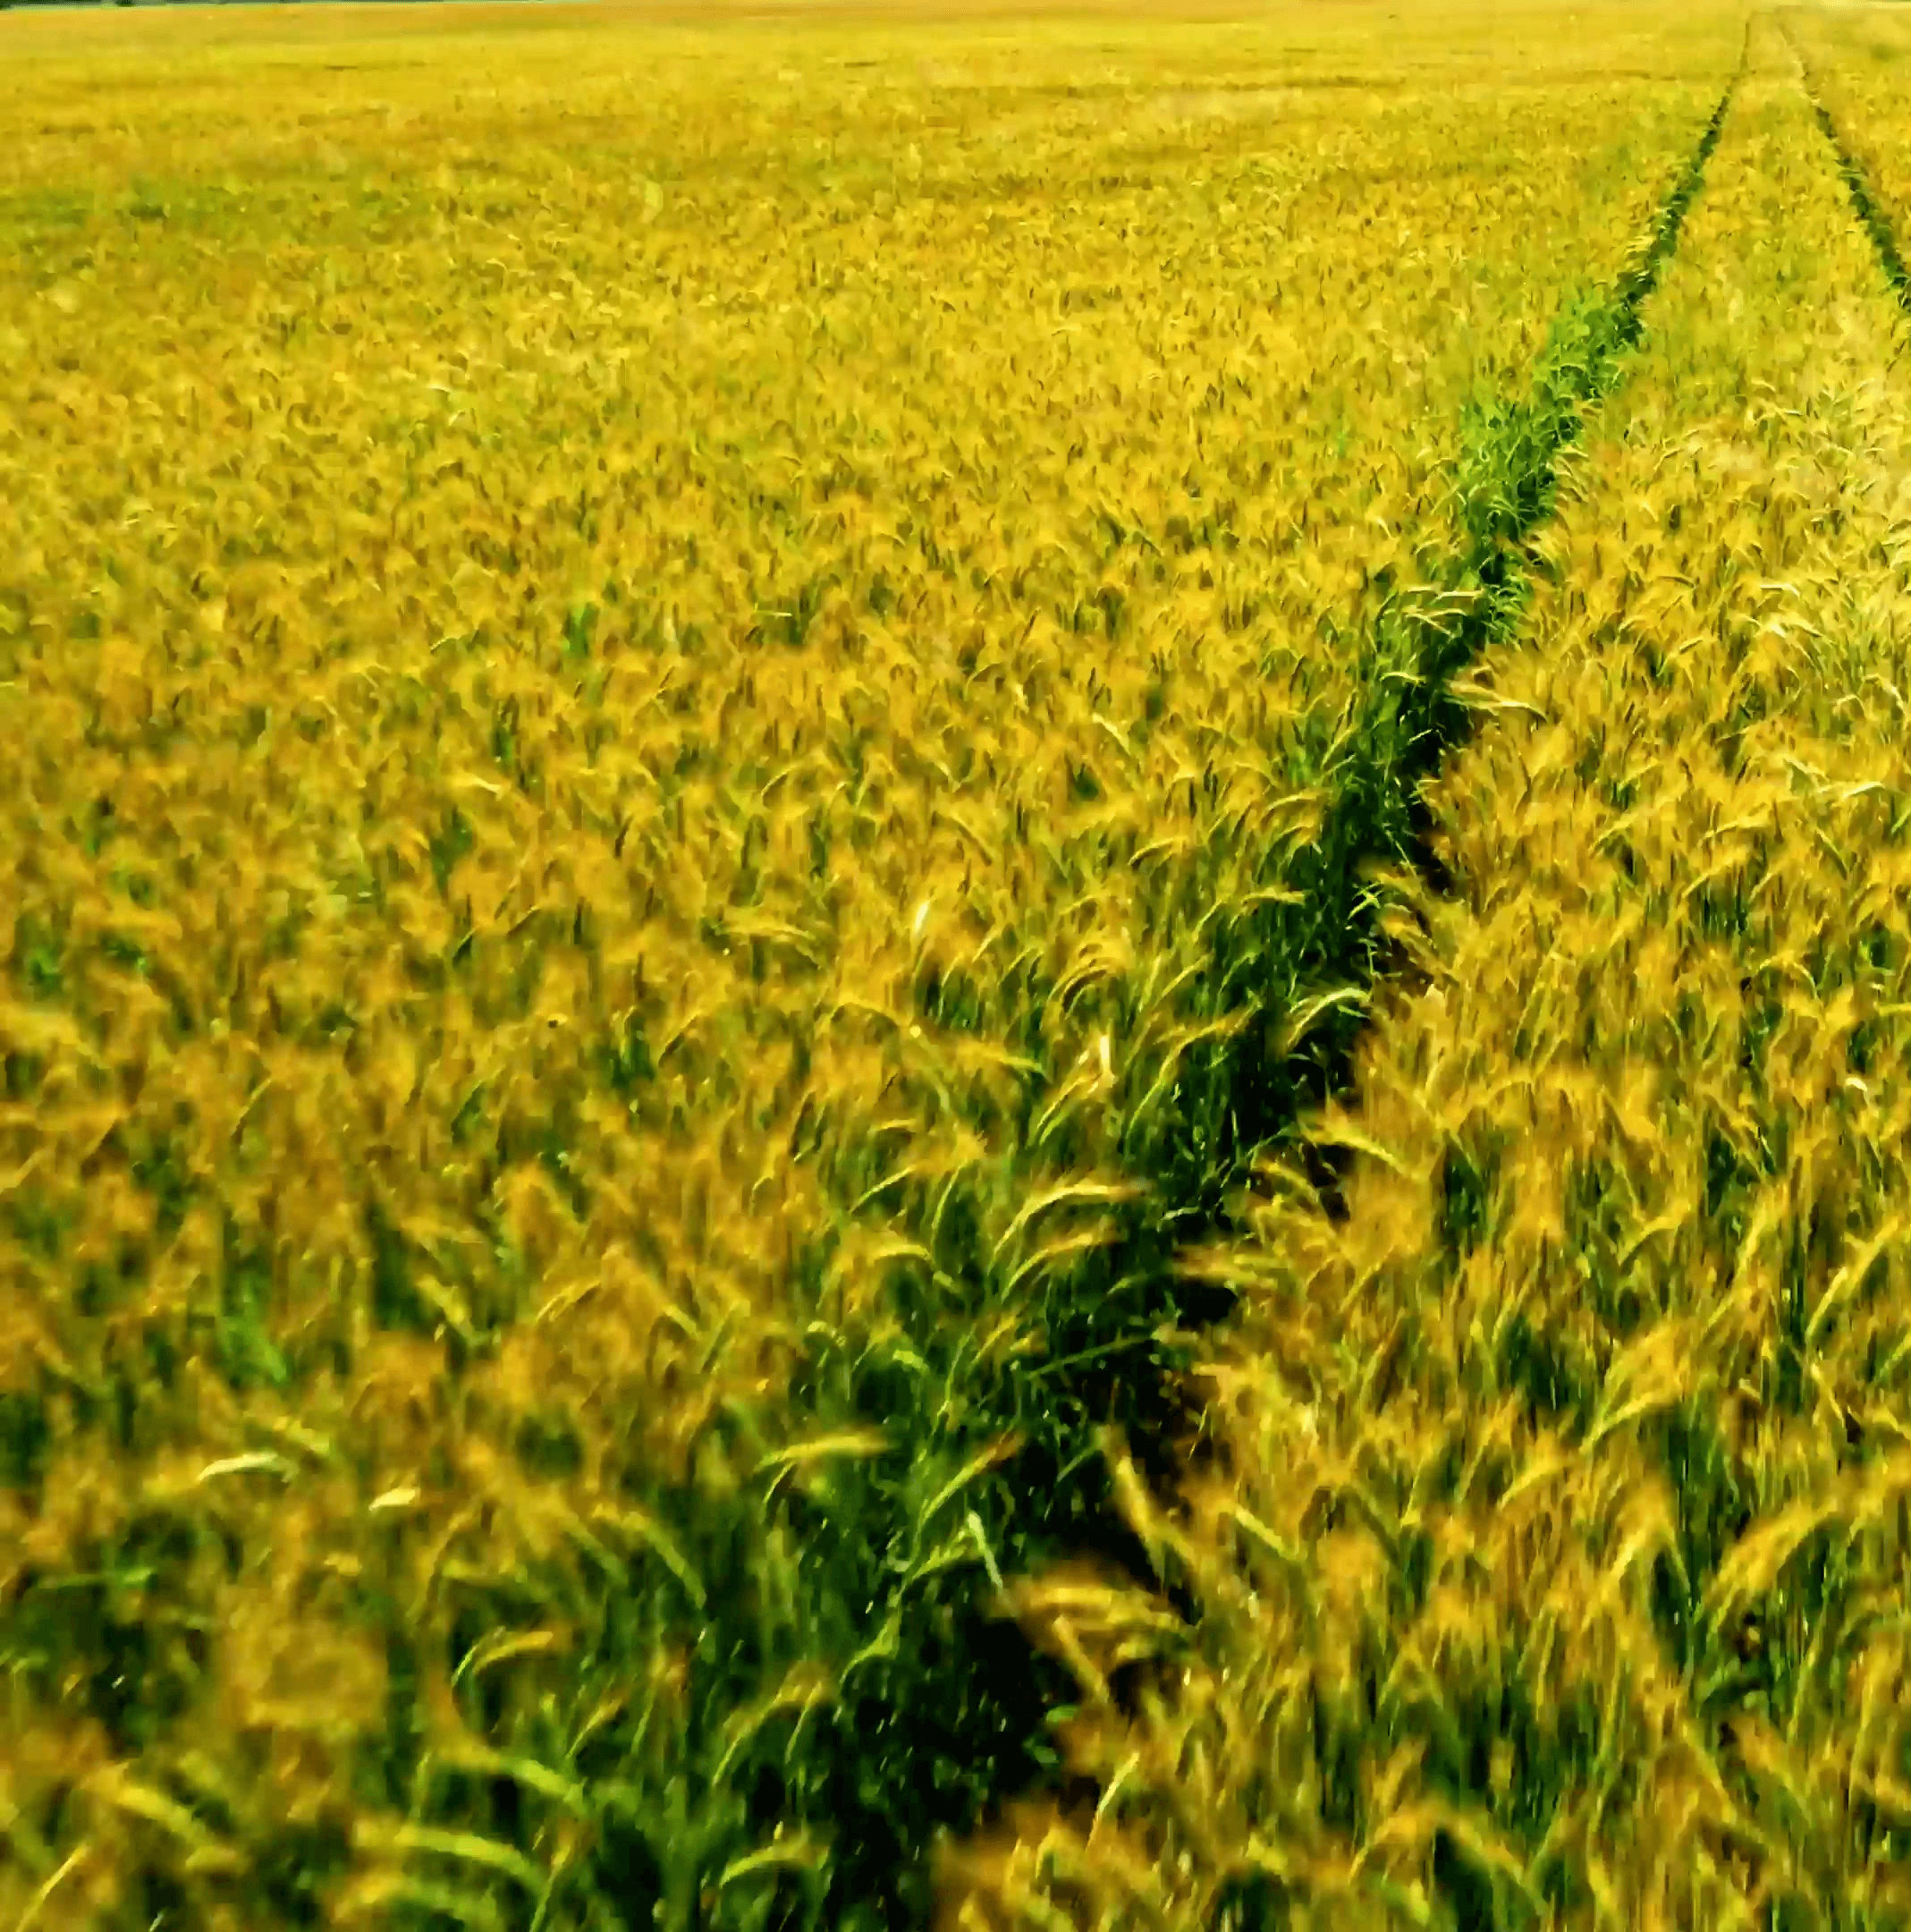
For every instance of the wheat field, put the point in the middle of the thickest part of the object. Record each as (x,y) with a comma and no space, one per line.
(948,966)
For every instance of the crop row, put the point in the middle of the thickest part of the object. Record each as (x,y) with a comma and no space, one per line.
(1849,67)
(1549,1523)
(682,789)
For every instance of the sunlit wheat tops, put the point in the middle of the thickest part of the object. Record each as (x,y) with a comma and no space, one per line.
(694,716)
(1549,1531)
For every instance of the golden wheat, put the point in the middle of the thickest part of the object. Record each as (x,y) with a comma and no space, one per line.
(1576,1423)
(610,638)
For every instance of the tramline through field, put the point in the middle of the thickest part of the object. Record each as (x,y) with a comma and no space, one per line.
(953,970)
